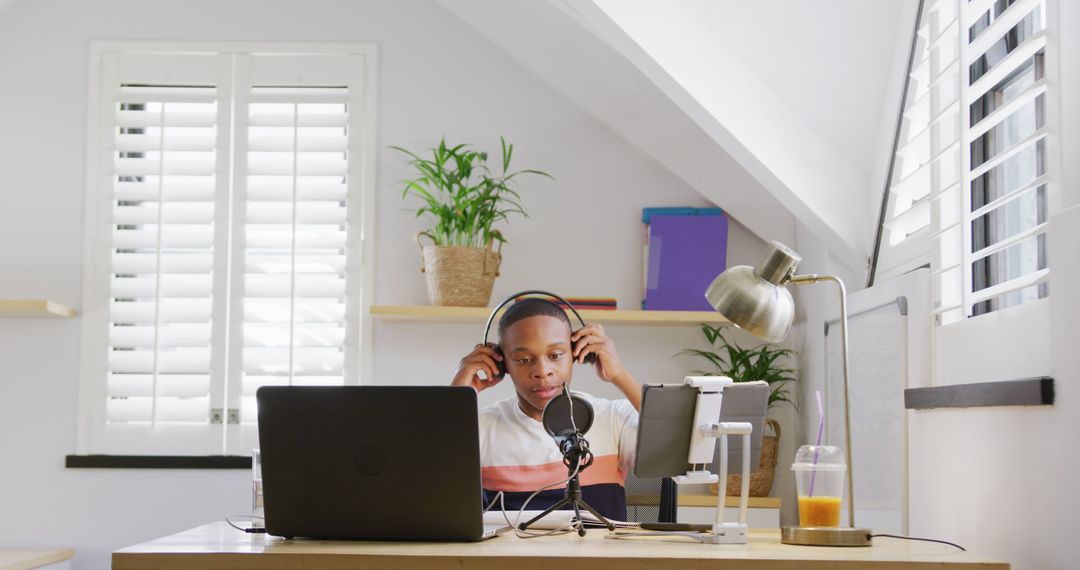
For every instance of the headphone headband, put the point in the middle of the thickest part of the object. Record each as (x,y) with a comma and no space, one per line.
(511,298)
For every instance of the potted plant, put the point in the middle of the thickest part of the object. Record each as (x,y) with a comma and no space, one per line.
(464,199)
(764,362)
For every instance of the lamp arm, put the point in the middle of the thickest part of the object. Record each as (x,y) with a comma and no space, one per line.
(807,280)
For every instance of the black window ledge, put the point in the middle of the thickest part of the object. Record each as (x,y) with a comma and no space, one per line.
(158,461)
(1025,392)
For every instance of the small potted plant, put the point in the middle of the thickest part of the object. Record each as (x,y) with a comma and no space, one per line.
(764,362)
(464,199)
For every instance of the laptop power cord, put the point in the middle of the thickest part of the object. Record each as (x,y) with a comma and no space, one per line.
(922,539)
(249,530)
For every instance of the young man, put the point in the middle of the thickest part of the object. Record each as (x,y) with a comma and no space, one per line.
(517,456)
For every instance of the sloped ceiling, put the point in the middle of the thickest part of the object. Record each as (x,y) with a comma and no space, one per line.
(777,110)
(828,61)
(575,61)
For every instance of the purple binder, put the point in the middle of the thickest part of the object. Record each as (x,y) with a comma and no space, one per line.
(685,254)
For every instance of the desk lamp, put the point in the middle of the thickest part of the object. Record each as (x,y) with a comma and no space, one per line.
(756,300)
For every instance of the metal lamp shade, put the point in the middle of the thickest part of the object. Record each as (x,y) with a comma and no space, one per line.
(751,303)
(754,298)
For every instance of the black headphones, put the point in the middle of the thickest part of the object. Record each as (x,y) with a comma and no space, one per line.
(501,364)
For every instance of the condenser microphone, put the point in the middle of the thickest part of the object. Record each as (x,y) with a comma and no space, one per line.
(566,418)
(567,415)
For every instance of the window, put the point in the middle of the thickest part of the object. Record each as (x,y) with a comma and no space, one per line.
(968,192)
(926,164)
(226,205)
(1004,200)
(972,183)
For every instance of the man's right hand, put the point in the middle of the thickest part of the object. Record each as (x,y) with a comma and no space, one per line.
(482,360)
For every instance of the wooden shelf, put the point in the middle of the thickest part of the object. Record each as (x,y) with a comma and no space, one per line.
(699,500)
(35,309)
(432,313)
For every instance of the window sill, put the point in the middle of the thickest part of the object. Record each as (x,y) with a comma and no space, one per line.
(1026,392)
(158,461)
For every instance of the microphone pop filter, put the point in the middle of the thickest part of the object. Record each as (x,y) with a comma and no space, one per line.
(556,418)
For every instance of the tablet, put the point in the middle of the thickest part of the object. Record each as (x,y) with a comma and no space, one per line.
(666,421)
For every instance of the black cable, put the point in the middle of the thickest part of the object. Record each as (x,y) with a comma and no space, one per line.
(923,539)
(250,530)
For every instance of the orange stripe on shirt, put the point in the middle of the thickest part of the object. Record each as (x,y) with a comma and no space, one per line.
(518,478)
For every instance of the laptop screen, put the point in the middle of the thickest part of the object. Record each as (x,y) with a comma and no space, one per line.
(373,462)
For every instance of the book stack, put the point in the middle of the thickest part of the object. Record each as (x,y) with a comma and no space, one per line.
(592,303)
(586,303)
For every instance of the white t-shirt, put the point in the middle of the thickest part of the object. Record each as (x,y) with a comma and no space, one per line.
(518,457)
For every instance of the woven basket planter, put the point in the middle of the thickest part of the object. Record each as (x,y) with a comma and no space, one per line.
(761,479)
(458,276)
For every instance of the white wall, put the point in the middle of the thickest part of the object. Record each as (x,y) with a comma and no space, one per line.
(806,113)
(1002,481)
(583,237)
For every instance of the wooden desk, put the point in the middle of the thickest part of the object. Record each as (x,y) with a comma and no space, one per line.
(27,559)
(218,546)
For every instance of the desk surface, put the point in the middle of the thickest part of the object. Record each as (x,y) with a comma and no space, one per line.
(219,546)
(25,559)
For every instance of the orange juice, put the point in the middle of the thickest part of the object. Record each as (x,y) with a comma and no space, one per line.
(819,511)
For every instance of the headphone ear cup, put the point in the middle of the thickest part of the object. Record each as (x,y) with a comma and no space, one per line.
(589,358)
(500,365)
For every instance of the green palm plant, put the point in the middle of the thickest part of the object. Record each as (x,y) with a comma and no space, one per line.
(462,195)
(763,362)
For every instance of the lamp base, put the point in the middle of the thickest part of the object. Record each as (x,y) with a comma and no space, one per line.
(825,536)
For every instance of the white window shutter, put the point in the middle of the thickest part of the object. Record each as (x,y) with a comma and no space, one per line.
(297,195)
(161,172)
(968,191)
(926,165)
(994,260)
(1005,203)
(973,182)
(224,239)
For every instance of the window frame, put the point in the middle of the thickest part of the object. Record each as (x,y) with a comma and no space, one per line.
(98,198)
(894,258)
(982,347)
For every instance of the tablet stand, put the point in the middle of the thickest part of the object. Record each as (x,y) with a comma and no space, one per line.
(706,429)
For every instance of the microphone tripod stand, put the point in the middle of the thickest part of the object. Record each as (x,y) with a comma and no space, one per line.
(576,457)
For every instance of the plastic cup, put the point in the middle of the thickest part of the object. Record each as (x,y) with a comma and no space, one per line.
(256,483)
(819,482)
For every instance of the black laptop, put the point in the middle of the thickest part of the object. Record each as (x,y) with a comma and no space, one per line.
(371,462)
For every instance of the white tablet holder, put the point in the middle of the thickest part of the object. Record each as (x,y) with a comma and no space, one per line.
(707,428)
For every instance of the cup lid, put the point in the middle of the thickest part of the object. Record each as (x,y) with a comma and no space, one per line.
(820,458)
